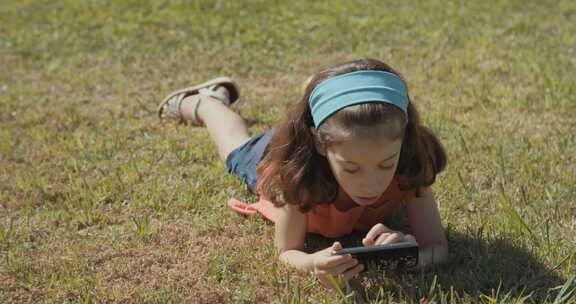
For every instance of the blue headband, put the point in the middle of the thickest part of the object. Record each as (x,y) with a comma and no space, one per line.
(336,93)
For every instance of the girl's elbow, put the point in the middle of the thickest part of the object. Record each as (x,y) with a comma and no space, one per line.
(281,249)
(286,256)
(433,254)
(438,249)
(442,252)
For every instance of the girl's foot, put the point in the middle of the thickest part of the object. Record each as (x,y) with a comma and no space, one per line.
(182,105)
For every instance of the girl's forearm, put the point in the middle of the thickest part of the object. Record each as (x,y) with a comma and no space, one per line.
(297,259)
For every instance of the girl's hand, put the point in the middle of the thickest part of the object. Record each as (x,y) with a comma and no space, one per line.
(380,234)
(338,266)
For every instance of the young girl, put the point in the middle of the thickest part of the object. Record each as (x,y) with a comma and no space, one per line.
(346,156)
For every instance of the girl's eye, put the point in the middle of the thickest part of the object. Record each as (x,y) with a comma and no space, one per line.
(387,168)
(350,171)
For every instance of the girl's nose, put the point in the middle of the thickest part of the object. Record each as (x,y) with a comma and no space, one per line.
(371,186)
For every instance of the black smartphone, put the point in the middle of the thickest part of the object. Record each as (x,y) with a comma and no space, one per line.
(404,252)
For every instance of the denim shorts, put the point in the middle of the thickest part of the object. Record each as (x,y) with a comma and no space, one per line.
(243,161)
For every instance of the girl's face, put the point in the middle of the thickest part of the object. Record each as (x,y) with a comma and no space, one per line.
(364,167)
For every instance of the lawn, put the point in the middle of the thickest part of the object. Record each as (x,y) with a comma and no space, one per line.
(99,202)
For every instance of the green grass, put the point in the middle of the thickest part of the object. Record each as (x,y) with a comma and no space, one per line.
(100,203)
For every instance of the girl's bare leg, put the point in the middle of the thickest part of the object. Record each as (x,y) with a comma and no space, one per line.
(226,128)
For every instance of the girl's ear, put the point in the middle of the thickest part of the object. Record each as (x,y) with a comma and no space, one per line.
(320,147)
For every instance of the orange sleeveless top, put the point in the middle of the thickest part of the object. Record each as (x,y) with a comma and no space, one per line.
(339,218)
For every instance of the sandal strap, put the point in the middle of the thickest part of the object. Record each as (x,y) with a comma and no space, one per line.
(171,107)
(208,92)
(211,91)
(194,119)
(178,105)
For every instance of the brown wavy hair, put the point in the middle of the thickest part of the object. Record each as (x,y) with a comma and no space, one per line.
(293,172)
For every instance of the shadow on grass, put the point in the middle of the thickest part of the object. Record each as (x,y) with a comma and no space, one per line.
(477,266)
